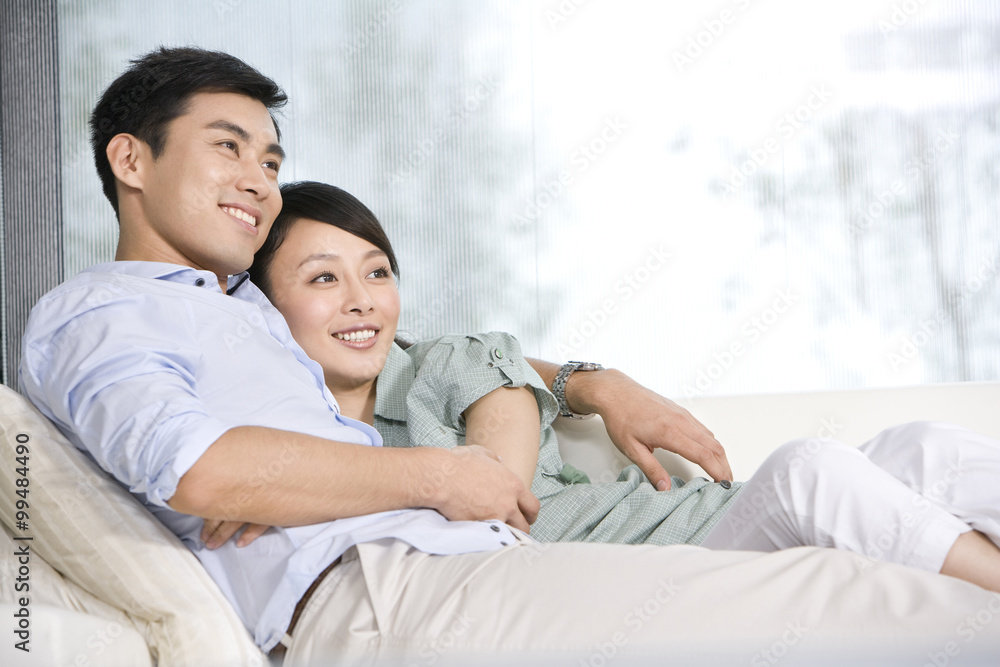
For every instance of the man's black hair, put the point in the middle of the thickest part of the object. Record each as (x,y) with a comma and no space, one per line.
(156,89)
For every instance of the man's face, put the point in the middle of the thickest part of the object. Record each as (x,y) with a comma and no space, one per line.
(209,199)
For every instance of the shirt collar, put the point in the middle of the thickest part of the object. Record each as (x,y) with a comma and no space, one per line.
(396,377)
(174,273)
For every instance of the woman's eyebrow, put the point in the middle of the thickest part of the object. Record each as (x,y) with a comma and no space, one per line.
(322,256)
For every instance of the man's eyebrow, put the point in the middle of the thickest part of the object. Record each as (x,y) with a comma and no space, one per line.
(228,126)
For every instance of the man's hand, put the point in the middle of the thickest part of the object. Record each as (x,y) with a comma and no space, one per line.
(639,421)
(472,485)
(216,532)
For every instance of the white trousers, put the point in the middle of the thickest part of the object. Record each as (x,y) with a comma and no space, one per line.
(612,605)
(903,497)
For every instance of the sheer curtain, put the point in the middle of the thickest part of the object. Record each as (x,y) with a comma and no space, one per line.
(726,198)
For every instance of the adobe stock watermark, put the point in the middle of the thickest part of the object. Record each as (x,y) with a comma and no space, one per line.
(424,325)
(710,31)
(913,169)
(756,497)
(901,14)
(779,648)
(97,643)
(223,7)
(244,330)
(262,476)
(633,622)
(751,331)
(967,630)
(790,122)
(562,12)
(929,327)
(624,289)
(878,546)
(417,156)
(362,37)
(581,160)
(445,641)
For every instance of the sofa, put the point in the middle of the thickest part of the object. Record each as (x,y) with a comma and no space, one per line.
(89,577)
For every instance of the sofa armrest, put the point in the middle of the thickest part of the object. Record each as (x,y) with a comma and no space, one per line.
(751,427)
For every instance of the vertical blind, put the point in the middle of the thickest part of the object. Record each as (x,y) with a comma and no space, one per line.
(727,198)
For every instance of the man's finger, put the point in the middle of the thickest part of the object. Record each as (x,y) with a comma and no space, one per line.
(222,532)
(652,469)
(253,531)
(209,527)
(518,521)
(529,506)
(714,461)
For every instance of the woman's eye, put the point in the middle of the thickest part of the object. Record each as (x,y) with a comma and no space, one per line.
(324,278)
(380,273)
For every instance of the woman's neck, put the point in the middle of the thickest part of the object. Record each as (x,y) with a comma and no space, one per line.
(357,402)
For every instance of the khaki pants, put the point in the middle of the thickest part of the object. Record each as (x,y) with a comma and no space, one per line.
(602,604)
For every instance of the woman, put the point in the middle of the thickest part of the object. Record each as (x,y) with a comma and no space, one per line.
(328,267)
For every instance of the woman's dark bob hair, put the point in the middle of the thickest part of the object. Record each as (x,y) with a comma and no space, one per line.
(309,200)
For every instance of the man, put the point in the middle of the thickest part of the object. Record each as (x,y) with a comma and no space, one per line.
(181,380)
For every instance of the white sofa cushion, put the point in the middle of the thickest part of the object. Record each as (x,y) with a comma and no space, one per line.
(99,537)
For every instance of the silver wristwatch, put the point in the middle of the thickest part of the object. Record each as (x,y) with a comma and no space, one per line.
(559,384)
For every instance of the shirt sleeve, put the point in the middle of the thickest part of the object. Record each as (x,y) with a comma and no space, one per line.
(121,386)
(454,372)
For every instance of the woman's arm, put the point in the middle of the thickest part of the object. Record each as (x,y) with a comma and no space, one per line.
(506,422)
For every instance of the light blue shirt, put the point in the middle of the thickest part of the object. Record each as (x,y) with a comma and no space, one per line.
(144,365)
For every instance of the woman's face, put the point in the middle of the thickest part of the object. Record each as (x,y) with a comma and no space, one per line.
(339,297)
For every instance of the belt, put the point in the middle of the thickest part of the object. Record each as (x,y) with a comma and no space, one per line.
(279,649)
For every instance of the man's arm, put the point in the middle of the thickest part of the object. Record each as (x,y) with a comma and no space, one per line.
(639,420)
(272,477)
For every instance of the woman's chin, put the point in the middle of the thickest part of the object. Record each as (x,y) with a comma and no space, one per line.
(352,377)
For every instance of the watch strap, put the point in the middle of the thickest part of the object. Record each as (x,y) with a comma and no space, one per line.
(559,384)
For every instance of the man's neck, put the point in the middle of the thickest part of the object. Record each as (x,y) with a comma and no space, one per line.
(126,253)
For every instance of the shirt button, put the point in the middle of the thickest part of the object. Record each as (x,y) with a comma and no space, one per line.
(726,484)
(497,353)
(503,544)
(495,528)
(200,282)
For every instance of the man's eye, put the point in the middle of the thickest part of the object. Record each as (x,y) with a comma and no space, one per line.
(273,165)
(231,145)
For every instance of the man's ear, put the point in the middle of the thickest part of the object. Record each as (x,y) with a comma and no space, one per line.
(127,155)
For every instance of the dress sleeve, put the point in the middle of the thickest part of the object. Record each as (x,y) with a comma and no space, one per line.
(455,371)
(130,400)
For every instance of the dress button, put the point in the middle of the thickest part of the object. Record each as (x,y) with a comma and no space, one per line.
(495,528)
(200,282)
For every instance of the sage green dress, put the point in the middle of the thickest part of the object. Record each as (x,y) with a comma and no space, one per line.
(424,389)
